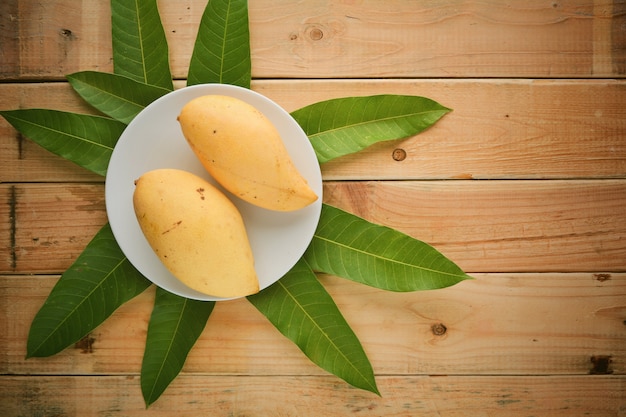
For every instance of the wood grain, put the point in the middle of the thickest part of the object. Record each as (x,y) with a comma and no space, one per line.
(526,226)
(348,39)
(521,226)
(496,324)
(319,396)
(513,129)
(20,158)
(48,224)
(523,185)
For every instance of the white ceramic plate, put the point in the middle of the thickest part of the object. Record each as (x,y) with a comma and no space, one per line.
(154,140)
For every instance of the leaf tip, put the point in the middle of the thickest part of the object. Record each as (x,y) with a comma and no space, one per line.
(31,350)
(149,396)
(148,402)
(369,386)
(375,390)
(467,277)
(31,353)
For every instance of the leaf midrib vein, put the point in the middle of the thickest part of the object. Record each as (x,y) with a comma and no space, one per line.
(109,94)
(351,248)
(366,122)
(223,53)
(60,132)
(80,304)
(169,347)
(141,46)
(308,316)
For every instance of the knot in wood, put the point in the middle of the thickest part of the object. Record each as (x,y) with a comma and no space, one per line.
(67,33)
(602,277)
(316,34)
(601,365)
(438,329)
(398,154)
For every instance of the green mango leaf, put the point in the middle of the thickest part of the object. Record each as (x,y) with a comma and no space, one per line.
(175,325)
(115,95)
(343,126)
(140,48)
(83,139)
(221,53)
(95,285)
(350,247)
(302,310)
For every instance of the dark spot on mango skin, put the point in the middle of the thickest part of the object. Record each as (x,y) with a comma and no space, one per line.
(174,226)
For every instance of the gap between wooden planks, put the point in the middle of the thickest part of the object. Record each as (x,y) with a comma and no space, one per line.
(484,226)
(514,129)
(496,324)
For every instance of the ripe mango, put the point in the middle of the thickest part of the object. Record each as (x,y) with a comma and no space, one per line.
(244,152)
(196,231)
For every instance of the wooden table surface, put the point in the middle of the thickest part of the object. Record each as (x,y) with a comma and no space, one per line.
(523,185)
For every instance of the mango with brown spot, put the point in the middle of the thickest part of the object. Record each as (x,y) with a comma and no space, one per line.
(244,152)
(196,231)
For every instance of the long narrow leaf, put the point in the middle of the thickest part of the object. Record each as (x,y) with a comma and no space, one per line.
(96,284)
(175,325)
(83,139)
(343,126)
(351,247)
(301,309)
(221,53)
(115,95)
(140,48)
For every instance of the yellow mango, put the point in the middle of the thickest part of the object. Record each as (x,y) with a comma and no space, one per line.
(196,231)
(244,152)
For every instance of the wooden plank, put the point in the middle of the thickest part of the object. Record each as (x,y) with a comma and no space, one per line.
(439,39)
(20,158)
(499,129)
(495,226)
(47,225)
(346,40)
(9,42)
(498,226)
(318,396)
(496,324)
(56,38)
